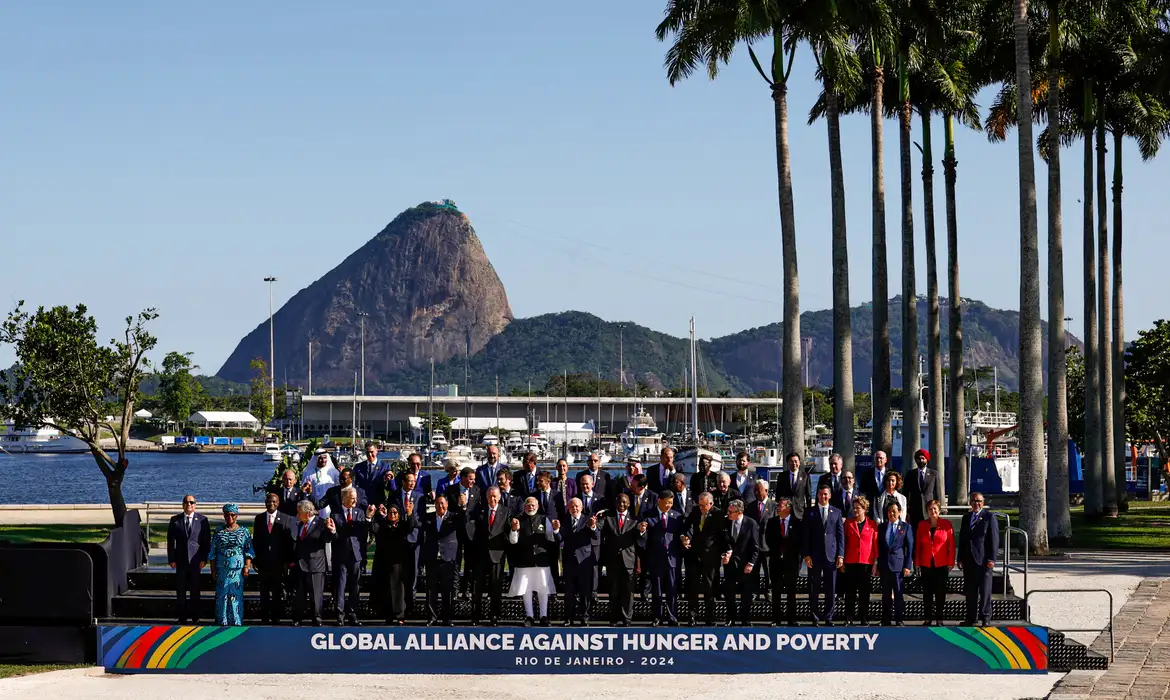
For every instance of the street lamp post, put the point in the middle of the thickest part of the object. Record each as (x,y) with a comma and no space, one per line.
(271,354)
(362,315)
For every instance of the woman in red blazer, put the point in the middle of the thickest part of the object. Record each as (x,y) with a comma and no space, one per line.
(934,555)
(861,546)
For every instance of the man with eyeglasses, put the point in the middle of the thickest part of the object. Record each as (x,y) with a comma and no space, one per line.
(978,544)
(599,478)
(188,544)
(369,476)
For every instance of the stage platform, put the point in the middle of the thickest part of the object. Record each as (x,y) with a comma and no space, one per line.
(476,650)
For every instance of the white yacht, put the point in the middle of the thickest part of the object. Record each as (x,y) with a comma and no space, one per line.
(461,452)
(272,452)
(43,440)
(641,438)
(687,459)
(439,442)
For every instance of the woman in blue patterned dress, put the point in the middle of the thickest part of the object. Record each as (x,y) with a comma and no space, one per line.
(231,555)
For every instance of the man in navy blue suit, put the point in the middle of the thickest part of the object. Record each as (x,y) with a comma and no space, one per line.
(414,466)
(978,544)
(369,476)
(352,528)
(895,558)
(524,482)
(188,544)
(485,475)
(439,555)
(824,554)
(662,534)
(579,561)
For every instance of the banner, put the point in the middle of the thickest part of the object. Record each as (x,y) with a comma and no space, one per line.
(477,650)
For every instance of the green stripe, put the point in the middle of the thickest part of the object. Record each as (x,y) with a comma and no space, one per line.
(189,644)
(223,636)
(971,645)
(987,642)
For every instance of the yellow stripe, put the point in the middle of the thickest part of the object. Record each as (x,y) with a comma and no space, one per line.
(163,653)
(166,660)
(1009,648)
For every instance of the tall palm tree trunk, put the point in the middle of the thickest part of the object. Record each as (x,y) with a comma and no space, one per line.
(911,416)
(960,486)
(1094,498)
(934,412)
(1033,506)
(1104,328)
(842,322)
(793,389)
(880,400)
(1059,521)
(1119,432)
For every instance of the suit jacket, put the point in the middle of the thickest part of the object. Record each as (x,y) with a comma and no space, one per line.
(309,551)
(619,545)
(536,543)
(616,487)
(937,550)
(978,539)
(473,498)
(861,545)
(658,484)
(896,556)
(680,507)
(289,498)
(878,509)
(546,503)
(826,479)
(370,478)
(917,496)
(271,548)
(710,542)
(568,493)
(489,540)
(745,549)
(701,482)
(485,475)
(644,506)
(787,547)
(872,483)
(600,482)
(747,484)
(332,499)
(520,484)
(824,541)
(397,498)
(800,494)
(350,547)
(721,500)
(396,543)
(595,504)
(752,509)
(188,549)
(579,550)
(664,548)
(843,501)
(440,542)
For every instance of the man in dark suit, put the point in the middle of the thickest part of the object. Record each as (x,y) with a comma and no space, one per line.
(894,561)
(921,486)
(352,526)
(422,481)
(662,474)
(784,538)
(760,508)
(463,498)
(662,534)
(488,528)
(546,498)
(310,534)
(703,480)
(642,506)
(739,563)
(978,545)
(743,478)
(439,555)
(188,544)
(599,477)
(485,475)
(681,502)
(873,482)
(524,481)
(724,494)
(369,475)
(332,497)
(408,488)
(833,479)
(619,543)
(824,553)
(846,495)
(271,544)
(579,561)
(705,539)
(504,481)
(290,495)
(794,485)
(622,484)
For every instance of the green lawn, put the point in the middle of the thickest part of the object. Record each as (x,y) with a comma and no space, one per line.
(11,671)
(62,533)
(1145,526)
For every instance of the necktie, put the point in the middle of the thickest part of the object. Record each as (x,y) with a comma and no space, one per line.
(735,530)
(621,522)
(824,516)
(665,517)
(288,494)
(188,525)
(304,529)
(784,528)
(702,521)
(589,504)
(890,534)
(921,479)
(439,524)
(491,518)
(348,515)
(637,507)
(792,480)
(761,509)
(848,499)
(575,521)
(270,524)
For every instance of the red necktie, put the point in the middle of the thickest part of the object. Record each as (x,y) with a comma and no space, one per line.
(270,526)
(491,518)
(761,509)
(783,528)
(349,516)
(304,529)
(621,522)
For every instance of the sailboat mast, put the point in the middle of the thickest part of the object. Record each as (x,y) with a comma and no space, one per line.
(694,387)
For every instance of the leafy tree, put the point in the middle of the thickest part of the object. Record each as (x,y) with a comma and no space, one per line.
(1147,387)
(177,388)
(1075,370)
(437,422)
(63,378)
(261,396)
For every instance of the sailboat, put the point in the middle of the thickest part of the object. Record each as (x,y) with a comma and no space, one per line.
(687,457)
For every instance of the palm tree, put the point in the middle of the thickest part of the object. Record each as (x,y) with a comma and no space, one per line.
(1033,506)
(707,32)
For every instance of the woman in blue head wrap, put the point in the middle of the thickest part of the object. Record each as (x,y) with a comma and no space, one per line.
(231,555)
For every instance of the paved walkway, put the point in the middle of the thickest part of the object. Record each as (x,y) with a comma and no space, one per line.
(1141,666)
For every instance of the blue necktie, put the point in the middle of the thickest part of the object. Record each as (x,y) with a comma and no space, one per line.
(890,535)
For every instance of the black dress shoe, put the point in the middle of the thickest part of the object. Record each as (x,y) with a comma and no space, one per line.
(928,623)
(863,623)
(774,624)
(672,623)
(657,623)
(432,623)
(849,623)
(899,623)
(621,623)
(527,622)
(354,622)
(296,623)
(584,622)
(340,622)
(493,622)
(828,623)
(317,622)
(985,623)
(544,622)
(816,623)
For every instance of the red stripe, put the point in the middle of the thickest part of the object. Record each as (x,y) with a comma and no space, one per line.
(1037,650)
(143,645)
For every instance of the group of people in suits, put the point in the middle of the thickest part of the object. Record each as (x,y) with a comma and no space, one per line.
(722,533)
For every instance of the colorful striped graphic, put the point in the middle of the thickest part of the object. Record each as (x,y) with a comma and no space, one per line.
(1001,648)
(160,647)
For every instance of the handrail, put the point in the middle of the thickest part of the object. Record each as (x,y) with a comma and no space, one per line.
(1007,551)
(1007,548)
(1109,626)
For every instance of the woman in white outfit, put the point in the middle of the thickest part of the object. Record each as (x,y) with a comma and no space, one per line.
(534,538)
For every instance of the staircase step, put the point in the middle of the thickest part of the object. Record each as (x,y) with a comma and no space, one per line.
(1065,654)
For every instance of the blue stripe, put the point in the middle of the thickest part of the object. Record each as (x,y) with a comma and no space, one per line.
(113,646)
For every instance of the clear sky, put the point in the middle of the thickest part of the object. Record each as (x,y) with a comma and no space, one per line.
(171,155)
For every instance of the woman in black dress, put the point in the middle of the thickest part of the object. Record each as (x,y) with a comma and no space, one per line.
(395,533)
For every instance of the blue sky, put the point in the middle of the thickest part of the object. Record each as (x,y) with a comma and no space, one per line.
(165,155)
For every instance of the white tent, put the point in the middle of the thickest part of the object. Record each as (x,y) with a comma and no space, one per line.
(143,414)
(240,420)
